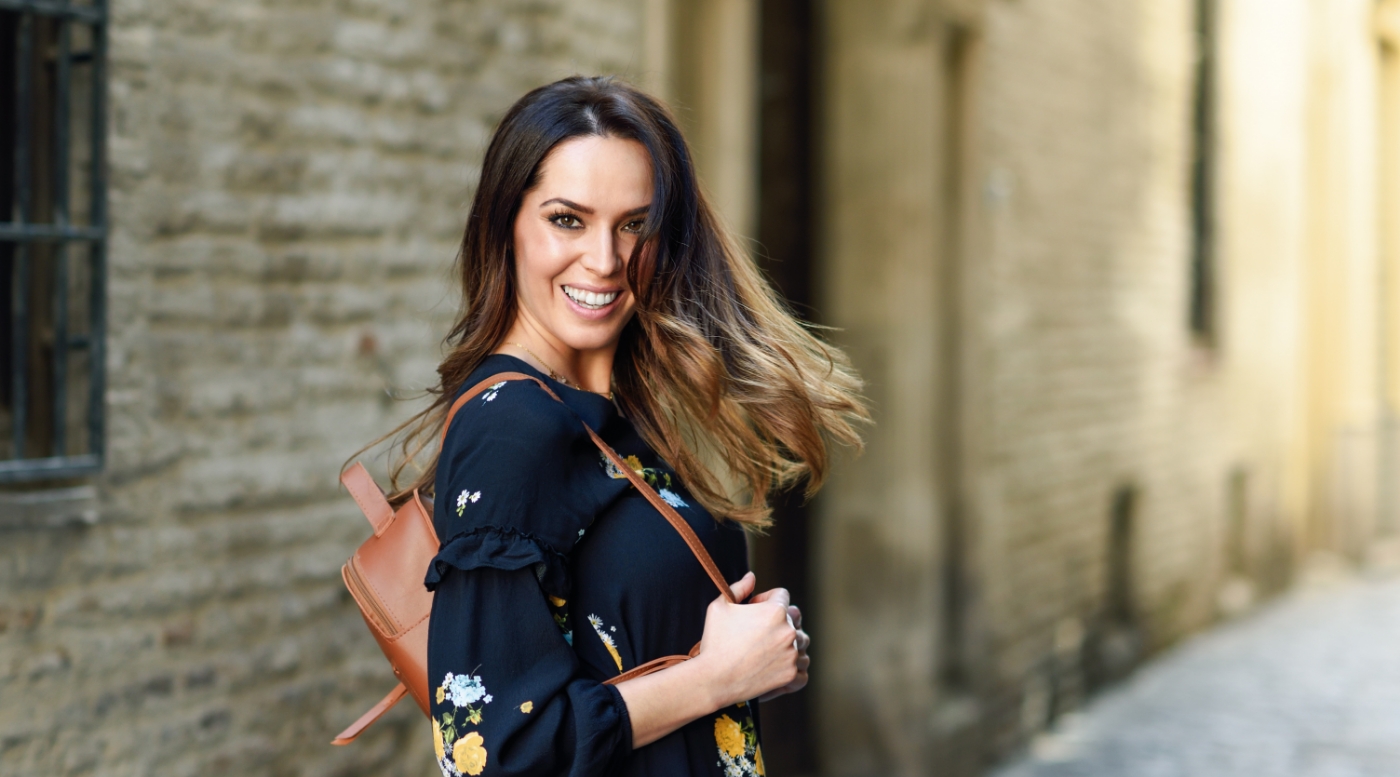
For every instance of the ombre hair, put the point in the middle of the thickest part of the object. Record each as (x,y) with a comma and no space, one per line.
(712,366)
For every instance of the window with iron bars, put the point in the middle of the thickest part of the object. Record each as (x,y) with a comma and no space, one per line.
(1203,147)
(52,237)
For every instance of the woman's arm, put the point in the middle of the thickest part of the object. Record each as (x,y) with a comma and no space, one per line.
(747,651)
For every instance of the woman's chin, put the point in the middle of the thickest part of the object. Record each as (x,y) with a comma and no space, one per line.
(590,334)
(588,339)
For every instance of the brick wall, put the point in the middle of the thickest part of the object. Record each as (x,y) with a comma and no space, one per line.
(1006,241)
(288,182)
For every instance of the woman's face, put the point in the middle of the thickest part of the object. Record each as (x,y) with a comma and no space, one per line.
(573,237)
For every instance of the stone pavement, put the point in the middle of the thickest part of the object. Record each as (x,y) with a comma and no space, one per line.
(1307,686)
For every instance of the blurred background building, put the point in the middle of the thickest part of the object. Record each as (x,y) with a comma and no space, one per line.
(1123,277)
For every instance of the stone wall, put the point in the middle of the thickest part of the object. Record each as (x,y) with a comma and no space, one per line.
(1063,477)
(288,184)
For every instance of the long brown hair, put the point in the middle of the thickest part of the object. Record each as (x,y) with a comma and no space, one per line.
(712,362)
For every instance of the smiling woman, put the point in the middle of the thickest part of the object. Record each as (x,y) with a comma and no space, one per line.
(591,262)
(573,236)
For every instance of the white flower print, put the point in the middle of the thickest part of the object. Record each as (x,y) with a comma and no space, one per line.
(739,752)
(737,767)
(610,468)
(465,497)
(490,393)
(608,641)
(465,689)
(672,498)
(460,750)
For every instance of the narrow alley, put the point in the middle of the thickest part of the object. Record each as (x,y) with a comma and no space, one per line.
(1307,686)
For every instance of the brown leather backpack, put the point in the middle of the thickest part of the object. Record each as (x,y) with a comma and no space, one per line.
(385,576)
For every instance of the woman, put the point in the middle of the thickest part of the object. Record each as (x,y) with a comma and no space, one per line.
(591,261)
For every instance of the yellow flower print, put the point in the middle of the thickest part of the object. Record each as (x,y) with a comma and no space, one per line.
(438,746)
(635,463)
(758,760)
(729,736)
(527,707)
(468,754)
(608,642)
(556,601)
(441,694)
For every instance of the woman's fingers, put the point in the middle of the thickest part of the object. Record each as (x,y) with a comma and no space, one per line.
(743,587)
(796,615)
(779,595)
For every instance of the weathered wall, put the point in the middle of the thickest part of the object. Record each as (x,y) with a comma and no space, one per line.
(1005,237)
(1017,296)
(879,543)
(288,182)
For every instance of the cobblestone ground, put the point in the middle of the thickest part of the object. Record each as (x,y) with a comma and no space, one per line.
(1308,686)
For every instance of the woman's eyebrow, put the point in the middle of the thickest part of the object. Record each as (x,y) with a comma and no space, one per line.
(583,209)
(567,204)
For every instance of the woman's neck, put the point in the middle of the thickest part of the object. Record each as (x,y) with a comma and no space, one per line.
(590,370)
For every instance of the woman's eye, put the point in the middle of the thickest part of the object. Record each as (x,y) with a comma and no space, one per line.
(566,220)
(633,226)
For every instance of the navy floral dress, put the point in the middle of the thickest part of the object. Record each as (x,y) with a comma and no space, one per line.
(554,575)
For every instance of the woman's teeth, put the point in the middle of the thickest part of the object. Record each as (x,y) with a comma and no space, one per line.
(589,299)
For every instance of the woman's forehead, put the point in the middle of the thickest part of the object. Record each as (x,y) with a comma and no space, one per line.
(597,172)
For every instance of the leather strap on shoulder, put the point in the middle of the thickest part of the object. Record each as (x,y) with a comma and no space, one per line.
(669,513)
(472,392)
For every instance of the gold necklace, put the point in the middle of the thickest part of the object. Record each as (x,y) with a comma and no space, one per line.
(556,376)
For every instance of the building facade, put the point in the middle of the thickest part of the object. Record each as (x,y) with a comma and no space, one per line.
(1123,277)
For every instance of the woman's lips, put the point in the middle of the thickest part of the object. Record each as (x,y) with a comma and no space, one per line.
(590,300)
(592,305)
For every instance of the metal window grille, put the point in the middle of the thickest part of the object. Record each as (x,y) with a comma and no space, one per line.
(1203,175)
(52,237)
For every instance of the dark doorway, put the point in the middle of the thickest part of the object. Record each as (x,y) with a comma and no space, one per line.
(787,187)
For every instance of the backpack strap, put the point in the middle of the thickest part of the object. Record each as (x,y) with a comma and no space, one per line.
(669,513)
(374,713)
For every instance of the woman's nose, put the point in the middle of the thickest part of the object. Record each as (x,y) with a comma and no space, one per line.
(602,258)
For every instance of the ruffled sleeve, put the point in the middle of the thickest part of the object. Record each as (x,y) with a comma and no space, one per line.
(509,694)
(507,496)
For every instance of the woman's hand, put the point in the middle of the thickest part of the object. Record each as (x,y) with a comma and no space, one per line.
(751,650)
(748,651)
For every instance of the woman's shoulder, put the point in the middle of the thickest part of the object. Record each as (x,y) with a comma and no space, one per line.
(514,417)
(514,464)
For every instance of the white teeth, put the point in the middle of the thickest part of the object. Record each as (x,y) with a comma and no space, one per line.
(590,299)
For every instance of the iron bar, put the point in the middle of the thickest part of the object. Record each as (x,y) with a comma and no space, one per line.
(62,87)
(62,93)
(19,287)
(19,352)
(91,14)
(24,96)
(97,332)
(60,349)
(49,457)
(31,233)
(52,467)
